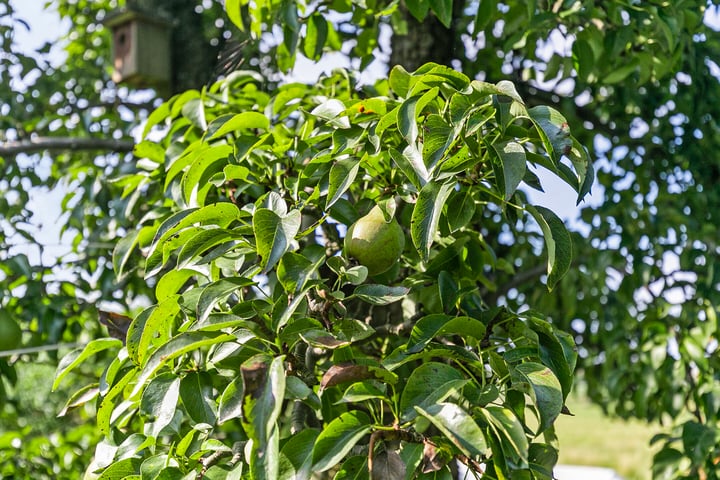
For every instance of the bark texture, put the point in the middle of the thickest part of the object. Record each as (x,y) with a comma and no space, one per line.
(427,41)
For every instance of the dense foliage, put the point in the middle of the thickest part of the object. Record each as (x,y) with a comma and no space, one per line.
(631,80)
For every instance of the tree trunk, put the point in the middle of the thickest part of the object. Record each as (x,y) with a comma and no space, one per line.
(427,41)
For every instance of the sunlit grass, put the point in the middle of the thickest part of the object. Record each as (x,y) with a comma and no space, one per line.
(591,438)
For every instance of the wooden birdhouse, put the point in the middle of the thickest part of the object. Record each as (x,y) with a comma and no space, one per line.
(141,49)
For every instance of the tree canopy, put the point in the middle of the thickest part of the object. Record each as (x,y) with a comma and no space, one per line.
(215,220)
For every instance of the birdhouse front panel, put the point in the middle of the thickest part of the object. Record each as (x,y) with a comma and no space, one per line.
(141,52)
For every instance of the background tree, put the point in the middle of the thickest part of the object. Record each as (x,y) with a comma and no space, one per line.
(641,293)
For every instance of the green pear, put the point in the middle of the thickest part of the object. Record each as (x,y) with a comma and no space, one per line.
(10,333)
(374,242)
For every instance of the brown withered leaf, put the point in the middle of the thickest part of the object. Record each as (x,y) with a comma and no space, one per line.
(344,372)
(116,324)
(253,375)
(432,460)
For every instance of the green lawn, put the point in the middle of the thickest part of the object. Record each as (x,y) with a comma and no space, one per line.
(590,438)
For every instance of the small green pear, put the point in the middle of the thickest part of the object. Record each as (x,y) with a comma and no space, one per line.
(374,242)
(10,332)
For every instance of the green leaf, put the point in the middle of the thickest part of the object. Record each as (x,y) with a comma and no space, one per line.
(406,119)
(514,163)
(557,351)
(264,404)
(218,291)
(546,391)
(78,398)
(698,440)
(433,325)
(553,130)
(124,249)
(171,283)
(426,215)
(557,241)
(427,385)
(78,356)
(342,175)
(460,209)
(418,8)
(151,327)
(231,401)
(511,434)
(354,468)
(379,294)
(315,37)
(220,214)
(242,121)
(108,405)
(411,162)
(176,347)
(159,400)
(194,110)
(196,182)
(439,137)
(296,455)
(443,10)
(338,438)
(121,469)
(234,12)
(484,14)
(274,235)
(196,393)
(399,80)
(458,426)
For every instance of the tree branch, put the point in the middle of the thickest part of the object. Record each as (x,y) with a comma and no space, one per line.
(41,144)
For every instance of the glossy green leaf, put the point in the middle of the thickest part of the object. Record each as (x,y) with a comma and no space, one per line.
(263,404)
(557,242)
(411,162)
(338,438)
(511,434)
(379,294)
(443,10)
(545,389)
(316,36)
(152,328)
(439,137)
(78,356)
(160,399)
(426,215)
(196,393)
(433,325)
(233,9)
(194,110)
(458,426)
(176,347)
(553,129)
(122,469)
(460,209)
(274,235)
(242,121)
(514,164)
(217,292)
(296,455)
(427,385)
(231,401)
(342,176)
